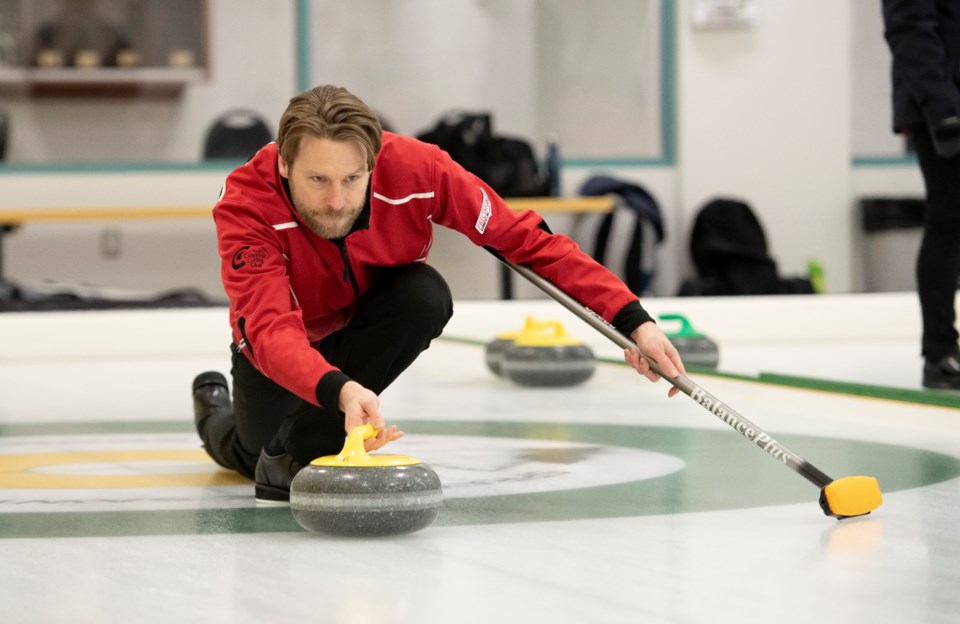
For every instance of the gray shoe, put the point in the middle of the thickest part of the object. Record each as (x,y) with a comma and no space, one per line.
(274,476)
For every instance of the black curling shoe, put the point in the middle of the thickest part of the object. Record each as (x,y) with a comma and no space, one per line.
(274,475)
(210,393)
(211,399)
(943,374)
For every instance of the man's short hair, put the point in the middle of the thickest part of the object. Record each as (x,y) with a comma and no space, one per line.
(329,112)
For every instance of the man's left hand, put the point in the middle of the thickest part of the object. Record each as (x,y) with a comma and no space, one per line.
(654,344)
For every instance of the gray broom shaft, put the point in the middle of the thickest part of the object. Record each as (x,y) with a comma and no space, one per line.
(709,402)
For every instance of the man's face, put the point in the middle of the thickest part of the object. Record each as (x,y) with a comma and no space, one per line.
(328,183)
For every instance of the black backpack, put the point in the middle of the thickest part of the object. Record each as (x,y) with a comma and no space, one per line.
(729,250)
(507,164)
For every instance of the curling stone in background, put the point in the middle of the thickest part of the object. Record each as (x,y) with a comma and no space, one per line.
(365,495)
(543,354)
(498,346)
(695,348)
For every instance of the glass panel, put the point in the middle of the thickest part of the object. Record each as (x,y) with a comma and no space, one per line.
(598,78)
(584,72)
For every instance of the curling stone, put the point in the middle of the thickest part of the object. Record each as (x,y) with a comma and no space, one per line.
(365,495)
(498,346)
(545,355)
(695,348)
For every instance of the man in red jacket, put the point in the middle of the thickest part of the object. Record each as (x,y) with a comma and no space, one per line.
(324,237)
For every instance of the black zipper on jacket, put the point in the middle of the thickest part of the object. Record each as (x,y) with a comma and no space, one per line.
(347,271)
(242,326)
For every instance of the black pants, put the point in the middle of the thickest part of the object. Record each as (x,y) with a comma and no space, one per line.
(938,262)
(394,324)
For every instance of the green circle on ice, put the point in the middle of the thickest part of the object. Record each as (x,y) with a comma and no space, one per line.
(720,471)
(494,472)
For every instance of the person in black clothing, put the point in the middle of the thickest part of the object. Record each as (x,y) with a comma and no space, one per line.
(924,39)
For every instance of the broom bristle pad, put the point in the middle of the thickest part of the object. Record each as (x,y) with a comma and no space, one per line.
(852,496)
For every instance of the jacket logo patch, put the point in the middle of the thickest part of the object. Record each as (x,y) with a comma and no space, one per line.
(245,255)
(485,212)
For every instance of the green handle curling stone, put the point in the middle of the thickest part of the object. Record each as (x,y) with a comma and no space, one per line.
(695,348)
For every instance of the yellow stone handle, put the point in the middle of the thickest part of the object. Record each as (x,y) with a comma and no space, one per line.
(353,448)
(544,334)
(355,454)
(530,326)
(539,327)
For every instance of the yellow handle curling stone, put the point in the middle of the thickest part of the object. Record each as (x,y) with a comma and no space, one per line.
(493,353)
(365,495)
(545,355)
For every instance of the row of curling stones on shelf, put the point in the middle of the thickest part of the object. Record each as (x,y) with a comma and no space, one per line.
(360,494)
(542,353)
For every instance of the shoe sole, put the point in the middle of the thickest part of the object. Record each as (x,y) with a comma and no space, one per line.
(272,503)
(941,386)
(271,495)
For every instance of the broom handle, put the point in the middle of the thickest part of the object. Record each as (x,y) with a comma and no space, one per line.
(706,400)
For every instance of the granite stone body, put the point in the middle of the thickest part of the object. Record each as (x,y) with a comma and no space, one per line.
(565,365)
(366,501)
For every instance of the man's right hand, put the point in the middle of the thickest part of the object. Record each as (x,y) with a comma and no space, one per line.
(362,407)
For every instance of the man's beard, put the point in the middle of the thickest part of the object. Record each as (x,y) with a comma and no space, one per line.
(325,223)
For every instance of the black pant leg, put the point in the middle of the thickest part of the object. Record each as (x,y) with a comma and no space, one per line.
(265,410)
(938,261)
(394,324)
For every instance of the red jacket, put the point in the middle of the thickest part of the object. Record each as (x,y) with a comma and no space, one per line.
(289,288)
